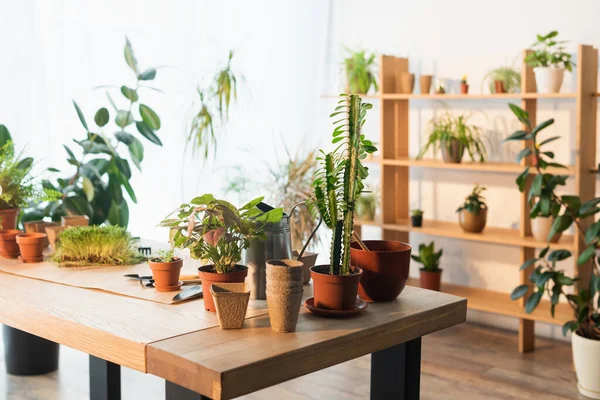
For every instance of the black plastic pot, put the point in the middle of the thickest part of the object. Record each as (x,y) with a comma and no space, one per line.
(26,354)
(417,220)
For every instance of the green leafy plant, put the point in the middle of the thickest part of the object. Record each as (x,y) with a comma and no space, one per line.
(360,77)
(463,80)
(416,213)
(546,278)
(447,128)
(428,257)
(95,245)
(508,75)
(102,173)
(474,202)
(216,230)
(164,256)
(339,179)
(549,52)
(366,206)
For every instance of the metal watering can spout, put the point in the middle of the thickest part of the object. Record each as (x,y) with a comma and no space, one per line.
(312,234)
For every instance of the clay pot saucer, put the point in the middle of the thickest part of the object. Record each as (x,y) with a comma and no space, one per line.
(361,305)
(31,260)
(167,288)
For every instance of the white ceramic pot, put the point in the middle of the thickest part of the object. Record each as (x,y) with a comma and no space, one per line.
(548,79)
(540,229)
(586,357)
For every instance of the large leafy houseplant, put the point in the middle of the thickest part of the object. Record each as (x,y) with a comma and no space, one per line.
(360,76)
(547,51)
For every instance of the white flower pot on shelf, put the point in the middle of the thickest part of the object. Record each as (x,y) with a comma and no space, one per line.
(586,357)
(548,79)
(540,229)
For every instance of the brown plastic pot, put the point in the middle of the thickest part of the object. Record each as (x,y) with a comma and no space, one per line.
(31,246)
(9,218)
(472,223)
(166,274)
(431,280)
(385,268)
(499,87)
(208,276)
(452,151)
(335,292)
(8,243)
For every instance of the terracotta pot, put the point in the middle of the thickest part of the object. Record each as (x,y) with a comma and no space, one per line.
(39,227)
(75,220)
(231,303)
(425,83)
(308,260)
(540,229)
(405,83)
(385,268)
(472,223)
(452,151)
(53,233)
(284,308)
(166,274)
(416,220)
(9,218)
(335,292)
(431,280)
(586,357)
(499,87)
(31,246)
(464,88)
(8,243)
(208,276)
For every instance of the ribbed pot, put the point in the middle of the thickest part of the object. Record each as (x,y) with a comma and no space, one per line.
(540,229)
(231,303)
(452,151)
(8,243)
(335,292)
(471,222)
(586,357)
(9,218)
(208,276)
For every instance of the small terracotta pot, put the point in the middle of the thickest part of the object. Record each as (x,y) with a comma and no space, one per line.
(75,220)
(385,268)
(499,87)
(472,223)
(284,308)
(31,246)
(431,280)
(9,218)
(425,83)
(208,276)
(405,83)
(308,260)
(540,229)
(231,303)
(416,220)
(39,227)
(8,243)
(464,88)
(335,292)
(452,151)
(53,233)
(166,274)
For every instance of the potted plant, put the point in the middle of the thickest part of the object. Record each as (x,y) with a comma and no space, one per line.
(503,80)
(284,293)
(472,215)
(464,86)
(547,279)
(360,75)
(338,184)
(217,231)
(431,273)
(453,136)
(165,268)
(366,206)
(416,218)
(440,87)
(549,61)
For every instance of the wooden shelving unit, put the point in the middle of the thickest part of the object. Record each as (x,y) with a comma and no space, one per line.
(395,163)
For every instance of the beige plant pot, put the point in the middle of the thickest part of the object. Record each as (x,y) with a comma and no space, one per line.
(425,83)
(285,279)
(540,229)
(53,233)
(405,83)
(75,220)
(472,223)
(548,79)
(586,357)
(309,260)
(231,302)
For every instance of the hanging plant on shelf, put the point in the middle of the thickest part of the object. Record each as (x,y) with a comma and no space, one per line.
(360,77)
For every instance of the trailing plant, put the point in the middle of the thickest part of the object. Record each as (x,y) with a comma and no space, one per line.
(546,278)
(95,245)
(339,179)
(428,257)
(416,213)
(508,75)
(447,128)
(474,202)
(102,171)
(216,230)
(549,52)
(360,76)
(164,256)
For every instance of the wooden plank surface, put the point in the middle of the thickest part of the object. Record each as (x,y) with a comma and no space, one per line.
(224,364)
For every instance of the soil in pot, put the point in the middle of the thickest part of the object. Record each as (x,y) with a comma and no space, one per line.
(385,268)
(431,280)
(540,229)
(416,220)
(471,222)
(31,246)
(8,243)
(335,292)
(586,357)
(208,276)
(9,218)
(166,274)
(452,151)
(231,303)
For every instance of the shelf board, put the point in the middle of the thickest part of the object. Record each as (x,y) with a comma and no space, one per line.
(484,96)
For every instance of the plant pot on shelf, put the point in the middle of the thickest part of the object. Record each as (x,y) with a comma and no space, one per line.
(26,354)
(166,275)
(406,83)
(586,357)
(431,280)
(208,276)
(540,229)
(284,293)
(9,218)
(75,220)
(53,233)
(385,268)
(231,303)
(31,246)
(8,243)
(416,220)
(464,88)
(452,151)
(335,292)
(308,261)
(499,86)
(425,83)
(548,79)
(471,222)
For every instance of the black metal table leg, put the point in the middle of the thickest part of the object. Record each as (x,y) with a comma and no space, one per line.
(176,392)
(396,372)
(105,380)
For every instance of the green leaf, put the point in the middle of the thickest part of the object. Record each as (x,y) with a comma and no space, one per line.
(80,115)
(124,137)
(544,252)
(102,117)
(123,118)
(561,223)
(569,326)
(536,185)
(125,182)
(119,214)
(78,205)
(521,114)
(272,216)
(147,75)
(136,151)
(129,93)
(546,141)
(25,164)
(574,202)
(523,153)
(533,301)
(4,135)
(564,280)
(147,132)
(114,186)
(586,255)
(522,179)
(592,232)
(149,117)
(559,255)
(69,152)
(130,56)
(588,205)
(519,292)
(204,199)
(123,167)
(518,135)
(540,127)
(528,263)
(88,188)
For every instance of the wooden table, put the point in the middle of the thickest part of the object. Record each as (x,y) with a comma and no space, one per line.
(184,345)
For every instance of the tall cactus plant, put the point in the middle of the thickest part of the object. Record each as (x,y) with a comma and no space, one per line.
(339,179)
